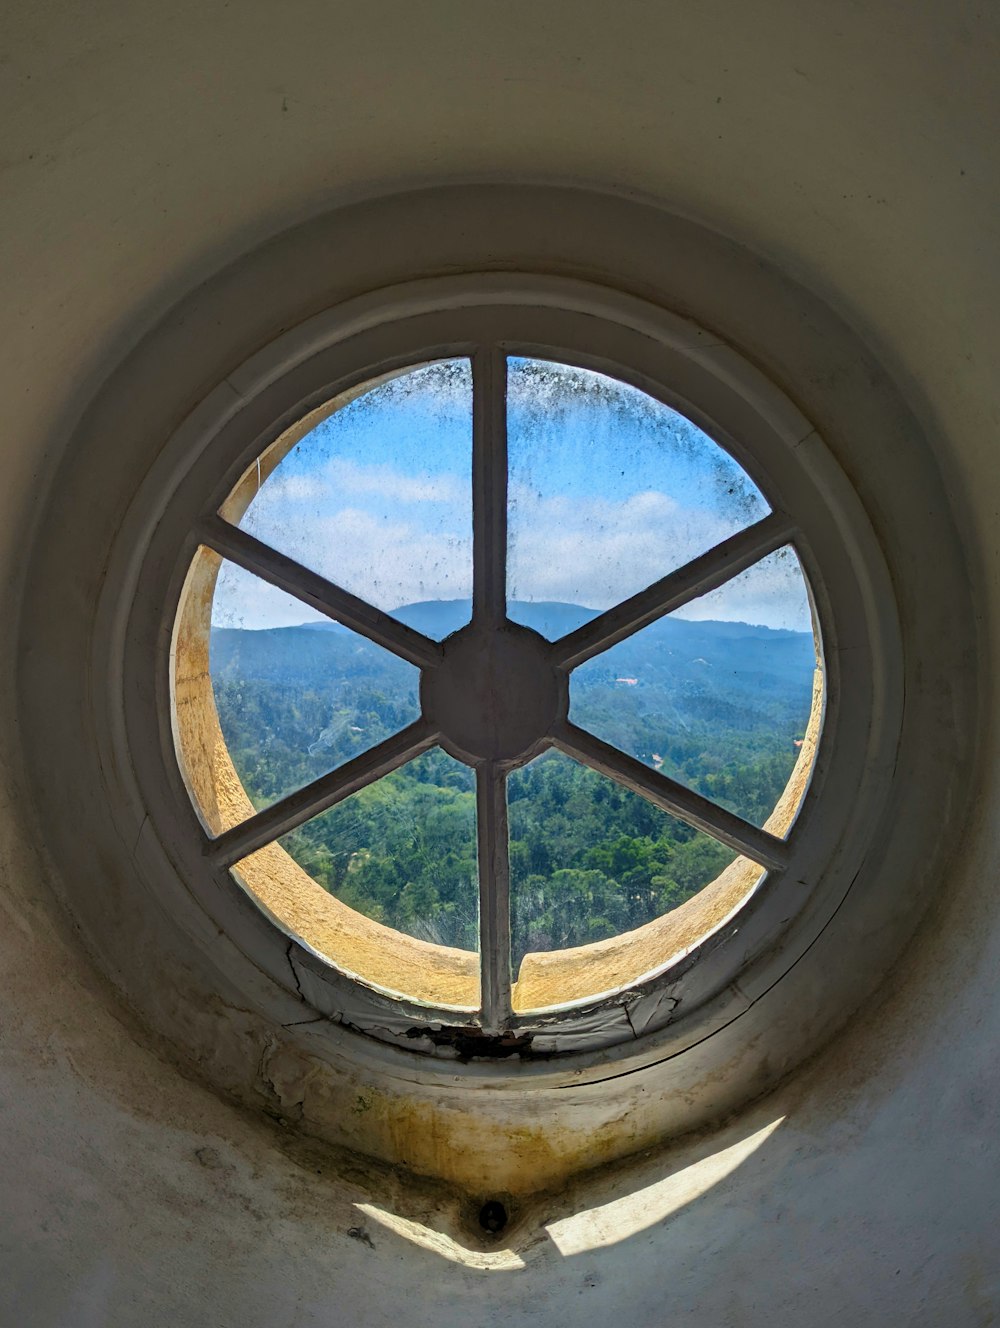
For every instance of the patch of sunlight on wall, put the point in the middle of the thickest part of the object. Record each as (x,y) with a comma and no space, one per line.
(622,1218)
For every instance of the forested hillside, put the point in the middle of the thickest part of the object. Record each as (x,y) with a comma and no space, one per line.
(718,706)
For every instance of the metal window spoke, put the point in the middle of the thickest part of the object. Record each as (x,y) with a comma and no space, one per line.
(322,794)
(703,574)
(286,574)
(489,487)
(672,797)
(489,610)
(494,896)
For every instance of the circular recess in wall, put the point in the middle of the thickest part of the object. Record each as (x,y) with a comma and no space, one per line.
(221,879)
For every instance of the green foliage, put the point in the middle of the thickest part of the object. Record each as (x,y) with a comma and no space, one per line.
(403,851)
(734,747)
(281,736)
(589,860)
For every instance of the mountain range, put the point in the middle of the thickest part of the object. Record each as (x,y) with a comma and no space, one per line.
(684,654)
(721,706)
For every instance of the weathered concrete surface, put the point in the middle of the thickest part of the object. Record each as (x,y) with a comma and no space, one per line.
(141,147)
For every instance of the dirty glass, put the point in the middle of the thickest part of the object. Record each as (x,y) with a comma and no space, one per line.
(402,851)
(590,859)
(609,490)
(716,695)
(377,497)
(297,698)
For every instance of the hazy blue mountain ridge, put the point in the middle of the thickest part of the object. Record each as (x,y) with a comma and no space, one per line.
(698,657)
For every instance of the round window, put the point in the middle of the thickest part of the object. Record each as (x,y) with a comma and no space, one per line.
(497,683)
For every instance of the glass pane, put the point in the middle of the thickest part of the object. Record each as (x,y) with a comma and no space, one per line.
(377,497)
(590,859)
(717,695)
(403,851)
(609,490)
(296,699)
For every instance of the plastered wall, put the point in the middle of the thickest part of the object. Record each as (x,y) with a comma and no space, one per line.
(140,147)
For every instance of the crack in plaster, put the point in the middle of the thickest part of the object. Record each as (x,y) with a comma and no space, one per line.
(295,975)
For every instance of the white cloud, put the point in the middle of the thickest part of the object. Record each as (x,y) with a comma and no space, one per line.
(342,478)
(283,489)
(594,552)
(771,594)
(241,600)
(391,485)
(385,562)
(597,552)
(391,562)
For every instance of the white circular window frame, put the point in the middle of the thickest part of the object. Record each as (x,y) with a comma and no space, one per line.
(675,362)
(188,947)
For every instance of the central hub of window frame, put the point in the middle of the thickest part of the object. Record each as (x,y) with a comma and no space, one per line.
(496,695)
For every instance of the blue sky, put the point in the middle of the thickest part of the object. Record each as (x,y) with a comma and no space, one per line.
(609,490)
